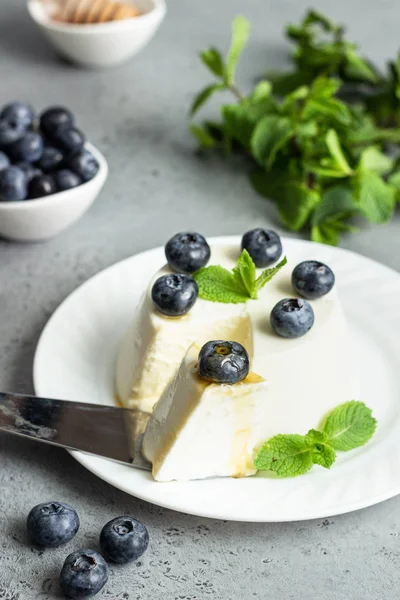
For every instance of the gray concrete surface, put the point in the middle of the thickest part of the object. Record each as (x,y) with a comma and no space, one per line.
(136,115)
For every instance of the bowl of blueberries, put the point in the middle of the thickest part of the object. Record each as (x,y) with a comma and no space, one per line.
(49,174)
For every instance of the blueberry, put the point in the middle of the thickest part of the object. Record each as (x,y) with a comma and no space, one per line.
(175,294)
(4,161)
(123,540)
(13,185)
(51,159)
(54,119)
(84,164)
(11,131)
(187,252)
(52,524)
(66,179)
(42,185)
(263,245)
(84,574)
(223,362)
(312,279)
(19,112)
(27,149)
(292,317)
(69,140)
(29,170)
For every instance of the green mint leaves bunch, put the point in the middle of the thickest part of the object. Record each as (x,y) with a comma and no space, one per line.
(320,159)
(239,285)
(348,426)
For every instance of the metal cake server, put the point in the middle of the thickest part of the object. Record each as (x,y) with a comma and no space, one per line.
(107,431)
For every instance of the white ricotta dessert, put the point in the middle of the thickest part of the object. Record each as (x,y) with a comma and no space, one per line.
(200,429)
(203,430)
(155,345)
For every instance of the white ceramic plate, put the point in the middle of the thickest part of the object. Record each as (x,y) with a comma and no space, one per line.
(75,360)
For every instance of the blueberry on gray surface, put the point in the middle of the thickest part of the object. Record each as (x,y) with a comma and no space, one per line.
(51,524)
(69,140)
(27,149)
(66,179)
(124,540)
(174,294)
(187,252)
(4,161)
(20,112)
(54,119)
(312,279)
(51,159)
(42,185)
(263,245)
(84,164)
(13,185)
(30,170)
(84,574)
(292,317)
(10,131)
(223,362)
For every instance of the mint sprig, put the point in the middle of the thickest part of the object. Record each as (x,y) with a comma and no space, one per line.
(348,426)
(317,138)
(232,287)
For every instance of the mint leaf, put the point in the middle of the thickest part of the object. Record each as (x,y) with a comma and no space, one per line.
(203,96)
(213,60)
(336,202)
(357,68)
(375,197)
(245,274)
(296,203)
(394,180)
(270,135)
(349,426)
(203,137)
(285,455)
(240,34)
(324,455)
(239,285)
(372,159)
(219,285)
(335,149)
(238,123)
(268,274)
(262,91)
(315,437)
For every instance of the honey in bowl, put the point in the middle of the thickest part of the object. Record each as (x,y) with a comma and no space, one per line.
(85,12)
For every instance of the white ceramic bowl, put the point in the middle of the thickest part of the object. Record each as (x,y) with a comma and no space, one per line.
(43,218)
(103,44)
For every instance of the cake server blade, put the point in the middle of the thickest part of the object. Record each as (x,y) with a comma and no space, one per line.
(107,431)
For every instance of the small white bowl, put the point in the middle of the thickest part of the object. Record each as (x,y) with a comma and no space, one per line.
(101,44)
(43,218)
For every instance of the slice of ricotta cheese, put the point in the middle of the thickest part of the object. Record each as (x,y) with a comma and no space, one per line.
(155,345)
(200,429)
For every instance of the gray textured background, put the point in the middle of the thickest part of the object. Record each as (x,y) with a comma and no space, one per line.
(136,115)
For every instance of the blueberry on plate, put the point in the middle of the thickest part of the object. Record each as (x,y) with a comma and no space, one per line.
(84,574)
(69,140)
(55,119)
(52,523)
(66,179)
(42,185)
(13,185)
(263,245)
(312,279)
(20,112)
(187,252)
(28,149)
(124,540)
(10,131)
(30,170)
(223,362)
(292,317)
(174,294)
(84,164)
(51,159)
(4,161)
